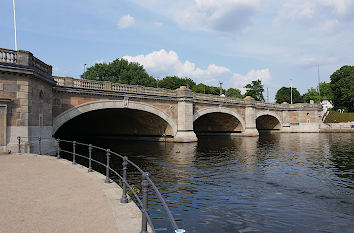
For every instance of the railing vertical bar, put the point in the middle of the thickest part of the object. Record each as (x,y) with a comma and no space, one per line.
(58,149)
(108,154)
(19,144)
(74,152)
(90,157)
(40,145)
(144,208)
(124,198)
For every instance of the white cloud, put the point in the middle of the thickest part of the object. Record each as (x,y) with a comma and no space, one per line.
(162,63)
(99,61)
(322,14)
(226,16)
(308,61)
(240,80)
(126,21)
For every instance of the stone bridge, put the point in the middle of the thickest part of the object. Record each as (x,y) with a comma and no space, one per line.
(34,103)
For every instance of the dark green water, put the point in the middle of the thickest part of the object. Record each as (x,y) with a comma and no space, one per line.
(271,183)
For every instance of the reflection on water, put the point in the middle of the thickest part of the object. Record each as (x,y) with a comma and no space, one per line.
(271,183)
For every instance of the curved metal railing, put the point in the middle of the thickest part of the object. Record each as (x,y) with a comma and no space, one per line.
(145,183)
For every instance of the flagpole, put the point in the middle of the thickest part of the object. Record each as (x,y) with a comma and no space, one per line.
(13,3)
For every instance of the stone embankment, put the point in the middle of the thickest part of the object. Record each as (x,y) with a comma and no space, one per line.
(42,194)
(346,127)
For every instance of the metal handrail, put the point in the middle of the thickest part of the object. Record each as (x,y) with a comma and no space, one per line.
(146,181)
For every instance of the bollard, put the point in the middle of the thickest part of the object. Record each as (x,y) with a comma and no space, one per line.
(107,167)
(90,154)
(124,196)
(19,144)
(40,145)
(144,208)
(74,156)
(58,149)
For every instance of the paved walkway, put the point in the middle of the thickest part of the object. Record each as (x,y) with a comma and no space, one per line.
(43,194)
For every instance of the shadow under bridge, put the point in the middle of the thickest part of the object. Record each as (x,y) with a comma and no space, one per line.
(116,123)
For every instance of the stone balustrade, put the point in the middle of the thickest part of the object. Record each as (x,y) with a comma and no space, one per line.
(22,58)
(162,92)
(8,56)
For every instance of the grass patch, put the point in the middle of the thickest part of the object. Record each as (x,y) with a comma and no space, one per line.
(337,117)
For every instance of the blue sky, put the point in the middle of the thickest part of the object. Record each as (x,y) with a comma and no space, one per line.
(233,41)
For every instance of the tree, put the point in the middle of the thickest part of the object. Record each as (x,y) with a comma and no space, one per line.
(311,94)
(342,85)
(326,91)
(174,82)
(205,89)
(284,95)
(120,71)
(234,92)
(255,90)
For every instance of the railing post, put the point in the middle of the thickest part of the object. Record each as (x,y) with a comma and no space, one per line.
(90,156)
(74,152)
(125,167)
(40,145)
(58,149)
(144,208)
(108,154)
(19,144)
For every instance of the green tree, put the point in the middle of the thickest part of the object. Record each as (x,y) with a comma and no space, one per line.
(174,82)
(255,90)
(311,94)
(120,71)
(205,89)
(326,91)
(284,95)
(342,84)
(234,92)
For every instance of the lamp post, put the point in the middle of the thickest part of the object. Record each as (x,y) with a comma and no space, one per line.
(84,71)
(291,91)
(220,83)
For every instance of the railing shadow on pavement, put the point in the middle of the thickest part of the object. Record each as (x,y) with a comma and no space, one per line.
(145,183)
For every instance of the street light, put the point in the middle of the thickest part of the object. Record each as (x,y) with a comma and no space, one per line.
(84,71)
(220,83)
(291,91)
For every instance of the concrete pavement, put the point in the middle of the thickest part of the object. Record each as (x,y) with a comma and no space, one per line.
(42,194)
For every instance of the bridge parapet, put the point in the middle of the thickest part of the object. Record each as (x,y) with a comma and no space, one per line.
(20,60)
(182,92)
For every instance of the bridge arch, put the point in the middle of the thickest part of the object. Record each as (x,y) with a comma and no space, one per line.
(223,112)
(69,114)
(268,121)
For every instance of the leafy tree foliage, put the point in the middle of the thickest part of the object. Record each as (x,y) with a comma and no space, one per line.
(120,71)
(205,89)
(312,93)
(342,84)
(255,90)
(326,91)
(174,82)
(234,92)
(284,95)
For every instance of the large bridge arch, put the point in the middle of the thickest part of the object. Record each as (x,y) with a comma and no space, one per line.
(69,114)
(220,110)
(267,120)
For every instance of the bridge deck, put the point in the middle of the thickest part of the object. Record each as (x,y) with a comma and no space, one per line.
(43,194)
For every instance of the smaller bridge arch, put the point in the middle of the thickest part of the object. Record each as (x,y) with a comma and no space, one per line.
(267,120)
(110,104)
(234,122)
